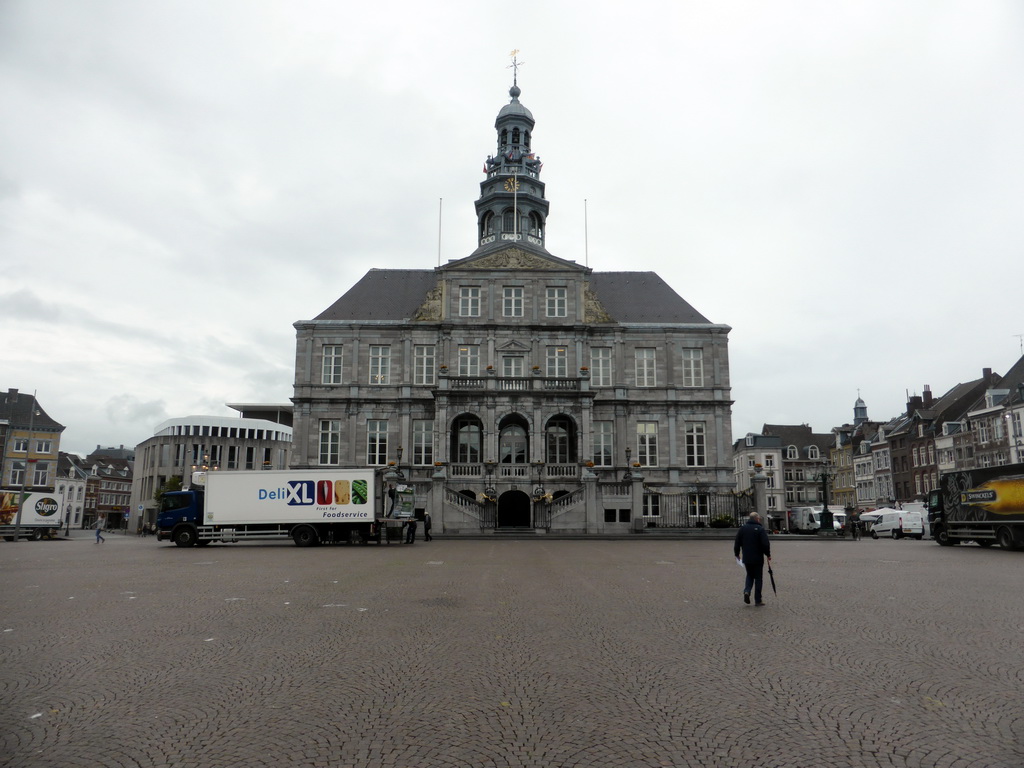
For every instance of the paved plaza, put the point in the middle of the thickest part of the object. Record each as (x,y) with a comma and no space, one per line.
(509,654)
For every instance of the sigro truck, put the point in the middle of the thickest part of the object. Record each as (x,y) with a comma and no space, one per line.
(40,515)
(308,506)
(982,505)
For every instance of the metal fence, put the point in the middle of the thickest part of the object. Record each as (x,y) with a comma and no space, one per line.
(698,510)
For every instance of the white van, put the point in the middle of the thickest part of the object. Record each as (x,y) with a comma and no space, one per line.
(895,523)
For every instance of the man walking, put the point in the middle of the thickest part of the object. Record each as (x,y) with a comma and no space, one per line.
(99,531)
(752,541)
(410,531)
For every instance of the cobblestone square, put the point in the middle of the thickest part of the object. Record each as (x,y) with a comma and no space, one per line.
(509,654)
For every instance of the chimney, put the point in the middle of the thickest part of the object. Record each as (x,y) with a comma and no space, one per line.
(928,396)
(12,395)
(915,403)
(986,374)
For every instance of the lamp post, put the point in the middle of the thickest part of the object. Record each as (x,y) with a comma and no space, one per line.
(28,464)
(825,474)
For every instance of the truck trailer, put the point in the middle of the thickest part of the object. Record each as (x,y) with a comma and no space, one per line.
(308,506)
(982,505)
(40,515)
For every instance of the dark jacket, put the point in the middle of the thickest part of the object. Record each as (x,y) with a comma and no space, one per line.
(752,540)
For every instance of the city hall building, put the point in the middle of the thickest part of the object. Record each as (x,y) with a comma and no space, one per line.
(513,389)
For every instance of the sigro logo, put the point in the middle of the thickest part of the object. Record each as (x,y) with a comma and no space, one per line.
(46,507)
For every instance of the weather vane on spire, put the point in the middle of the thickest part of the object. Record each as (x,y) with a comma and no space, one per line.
(514,66)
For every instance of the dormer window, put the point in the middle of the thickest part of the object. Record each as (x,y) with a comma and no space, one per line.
(812,452)
(792,453)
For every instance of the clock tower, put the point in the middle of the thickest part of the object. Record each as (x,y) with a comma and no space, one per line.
(511,209)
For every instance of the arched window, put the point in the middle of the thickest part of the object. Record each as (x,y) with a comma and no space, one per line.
(559,441)
(467,439)
(515,136)
(536,228)
(812,452)
(508,220)
(526,139)
(504,137)
(487,225)
(791,452)
(513,445)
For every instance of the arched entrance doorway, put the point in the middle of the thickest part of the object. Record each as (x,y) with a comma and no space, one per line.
(514,508)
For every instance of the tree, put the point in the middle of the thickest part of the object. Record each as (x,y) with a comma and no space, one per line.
(172,484)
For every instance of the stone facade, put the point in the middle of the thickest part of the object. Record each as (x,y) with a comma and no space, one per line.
(516,389)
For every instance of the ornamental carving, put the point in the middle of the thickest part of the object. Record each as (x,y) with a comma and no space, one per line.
(430,309)
(511,258)
(593,309)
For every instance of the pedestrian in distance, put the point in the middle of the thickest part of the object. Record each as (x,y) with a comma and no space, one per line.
(426,527)
(752,542)
(410,531)
(99,531)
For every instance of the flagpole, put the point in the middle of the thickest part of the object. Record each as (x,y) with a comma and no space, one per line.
(586,235)
(440,203)
(515,207)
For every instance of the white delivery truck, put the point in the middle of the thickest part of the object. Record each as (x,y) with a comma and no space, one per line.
(894,523)
(322,506)
(40,515)
(808,520)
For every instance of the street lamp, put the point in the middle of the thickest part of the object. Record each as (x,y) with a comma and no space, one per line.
(825,474)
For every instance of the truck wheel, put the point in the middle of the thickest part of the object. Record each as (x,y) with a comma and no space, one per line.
(304,536)
(1005,538)
(942,536)
(36,535)
(185,537)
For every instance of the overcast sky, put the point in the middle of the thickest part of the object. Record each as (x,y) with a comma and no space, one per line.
(842,183)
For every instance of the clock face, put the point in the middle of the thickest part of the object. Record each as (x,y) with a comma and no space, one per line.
(511,185)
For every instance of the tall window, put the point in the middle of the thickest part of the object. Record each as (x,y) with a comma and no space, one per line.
(696,450)
(469,360)
(469,301)
(376,441)
(604,447)
(646,375)
(558,361)
(380,364)
(556,302)
(693,367)
(513,366)
(601,366)
(652,505)
(332,365)
(513,447)
(558,443)
(647,443)
(330,444)
(468,440)
(512,301)
(39,476)
(422,442)
(423,364)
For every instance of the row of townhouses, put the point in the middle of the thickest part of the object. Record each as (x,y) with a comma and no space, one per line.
(868,464)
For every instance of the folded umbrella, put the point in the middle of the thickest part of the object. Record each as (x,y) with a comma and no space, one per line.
(771,575)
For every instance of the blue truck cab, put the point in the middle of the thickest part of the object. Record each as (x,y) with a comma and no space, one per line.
(180,514)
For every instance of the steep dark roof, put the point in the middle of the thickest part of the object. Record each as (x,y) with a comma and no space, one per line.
(16,408)
(801,436)
(383,294)
(642,297)
(628,297)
